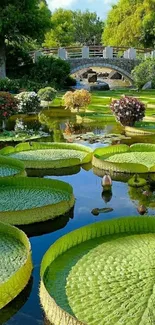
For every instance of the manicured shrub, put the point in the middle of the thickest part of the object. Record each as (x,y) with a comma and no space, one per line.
(144,72)
(128,110)
(28,102)
(48,94)
(8,105)
(77,99)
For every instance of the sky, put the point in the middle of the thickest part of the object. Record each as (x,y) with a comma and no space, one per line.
(100,6)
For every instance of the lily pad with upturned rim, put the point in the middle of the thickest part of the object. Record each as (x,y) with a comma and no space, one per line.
(15,263)
(96,274)
(49,155)
(11,167)
(138,158)
(30,200)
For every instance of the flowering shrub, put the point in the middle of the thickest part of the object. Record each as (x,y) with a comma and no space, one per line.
(77,99)
(28,102)
(128,110)
(8,105)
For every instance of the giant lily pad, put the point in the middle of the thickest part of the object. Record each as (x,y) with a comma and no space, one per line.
(15,263)
(30,200)
(138,158)
(49,155)
(101,274)
(11,167)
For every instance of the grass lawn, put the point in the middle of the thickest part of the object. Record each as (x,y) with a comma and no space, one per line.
(101,99)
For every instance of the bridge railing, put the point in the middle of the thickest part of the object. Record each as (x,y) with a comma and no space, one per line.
(88,52)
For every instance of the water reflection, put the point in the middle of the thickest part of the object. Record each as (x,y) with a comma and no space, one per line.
(46,227)
(13,307)
(53,171)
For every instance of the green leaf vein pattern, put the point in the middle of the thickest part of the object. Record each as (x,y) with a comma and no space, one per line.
(114,283)
(48,154)
(13,255)
(29,198)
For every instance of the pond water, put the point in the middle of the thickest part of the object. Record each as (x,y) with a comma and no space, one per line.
(87,187)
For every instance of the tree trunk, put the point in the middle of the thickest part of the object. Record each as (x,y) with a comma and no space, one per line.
(2,59)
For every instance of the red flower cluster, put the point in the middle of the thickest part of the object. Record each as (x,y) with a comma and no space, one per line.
(8,105)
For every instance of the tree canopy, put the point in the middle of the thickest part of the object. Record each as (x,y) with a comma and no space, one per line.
(131,23)
(20,20)
(74,27)
(62,32)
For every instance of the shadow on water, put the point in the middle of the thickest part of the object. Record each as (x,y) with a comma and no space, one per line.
(53,172)
(46,227)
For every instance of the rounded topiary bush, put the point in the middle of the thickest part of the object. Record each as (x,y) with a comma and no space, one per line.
(28,102)
(128,110)
(48,94)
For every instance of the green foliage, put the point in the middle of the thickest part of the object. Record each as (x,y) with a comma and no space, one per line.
(30,18)
(144,72)
(48,94)
(74,27)
(62,32)
(50,70)
(12,85)
(88,27)
(130,23)
(15,263)
(38,199)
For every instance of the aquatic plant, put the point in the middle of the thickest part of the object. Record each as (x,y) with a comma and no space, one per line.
(11,167)
(49,155)
(15,263)
(107,266)
(138,158)
(29,200)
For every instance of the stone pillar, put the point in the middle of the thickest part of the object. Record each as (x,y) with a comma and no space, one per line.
(37,55)
(85,52)
(108,52)
(62,53)
(130,54)
(125,55)
(153,54)
(147,55)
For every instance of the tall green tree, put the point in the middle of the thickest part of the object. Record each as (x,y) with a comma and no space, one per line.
(74,27)
(62,32)
(88,27)
(20,20)
(131,23)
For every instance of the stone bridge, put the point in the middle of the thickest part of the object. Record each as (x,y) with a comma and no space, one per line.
(123,66)
(121,59)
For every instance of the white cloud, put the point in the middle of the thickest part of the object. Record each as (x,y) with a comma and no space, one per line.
(53,4)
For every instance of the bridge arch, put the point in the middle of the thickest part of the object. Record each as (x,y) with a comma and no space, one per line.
(124,73)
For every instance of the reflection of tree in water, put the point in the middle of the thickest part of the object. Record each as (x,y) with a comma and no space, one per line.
(143,196)
(13,307)
(53,126)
